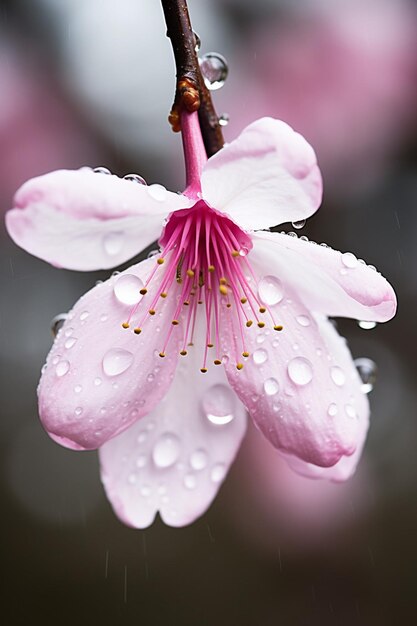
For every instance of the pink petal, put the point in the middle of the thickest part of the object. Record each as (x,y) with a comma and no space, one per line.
(175,459)
(82,220)
(346,467)
(267,176)
(328,281)
(99,378)
(300,393)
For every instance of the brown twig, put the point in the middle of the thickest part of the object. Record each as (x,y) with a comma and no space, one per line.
(191,92)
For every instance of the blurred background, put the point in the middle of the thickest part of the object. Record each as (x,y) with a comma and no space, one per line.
(91,83)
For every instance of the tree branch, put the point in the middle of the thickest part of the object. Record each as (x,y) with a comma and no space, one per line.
(191,92)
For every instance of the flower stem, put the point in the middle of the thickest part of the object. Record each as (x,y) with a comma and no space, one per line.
(191,93)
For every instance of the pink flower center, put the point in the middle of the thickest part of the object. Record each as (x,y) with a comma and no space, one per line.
(204,265)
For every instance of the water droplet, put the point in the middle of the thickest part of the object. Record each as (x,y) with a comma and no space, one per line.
(299,224)
(338,376)
(84,316)
(303,320)
(131,479)
(58,322)
(260,356)
(197,41)
(68,332)
(199,459)
(367,371)
(224,119)
(214,69)
(116,361)
(157,192)
(127,289)
(101,170)
(150,377)
(304,238)
(113,243)
(218,472)
(260,339)
(97,381)
(104,318)
(153,253)
(292,234)
(78,411)
(332,410)
(166,450)
(300,370)
(135,178)
(349,260)
(62,368)
(271,387)
(366,325)
(243,251)
(78,388)
(141,460)
(218,404)
(190,481)
(142,437)
(270,290)
(145,491)
(350,410)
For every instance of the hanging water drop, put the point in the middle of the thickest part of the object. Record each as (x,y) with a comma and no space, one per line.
(116,361)
(367,371)
(135,178)
(127,289)
(218,404)
(58,322)
(298,225)
(366,325)
(214,70)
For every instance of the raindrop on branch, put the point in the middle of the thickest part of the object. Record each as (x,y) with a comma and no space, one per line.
(214,70)
(224,119)
(197,42)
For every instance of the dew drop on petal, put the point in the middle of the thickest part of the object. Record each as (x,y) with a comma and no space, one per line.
(78,388)
(271,387)
(84,316)
(141,461)
(113,243)
(214,69)
(145,491)
(366,325)
(350,410)
(260,356)
(132,478)
(157,192)
(116,361)
(338,376)
(190,481)
(97,381)
(78,411)
(303,320)
(218,404)
(299,224)
(135,178)
(218,472)
(349,260)
(300,370)
(62,368)
(270,290)
(367,371)
(199,459)
(101,170)
(166,450)
(127,289)
(332,410)
(70,342)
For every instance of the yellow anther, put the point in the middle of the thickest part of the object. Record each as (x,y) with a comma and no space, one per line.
(228,305)
(211,268)
(190,273)
(235,253)
(137,331)
(151,311)
(261,324)
(125,325)
(245,354)
(243,300)
(249,323)
(262,309)
(175,322)
(143,291)
(162,354)
(210,345)
(190,343)
(223,281)
(239,366)
(200,302)
(278,327)
(183,352)
(217,362)
(223,289)
(186,303)
(179,280)
(203,370)
(164,294)
(160,261)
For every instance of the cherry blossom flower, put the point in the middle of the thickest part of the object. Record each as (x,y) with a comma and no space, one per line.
(141,368)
